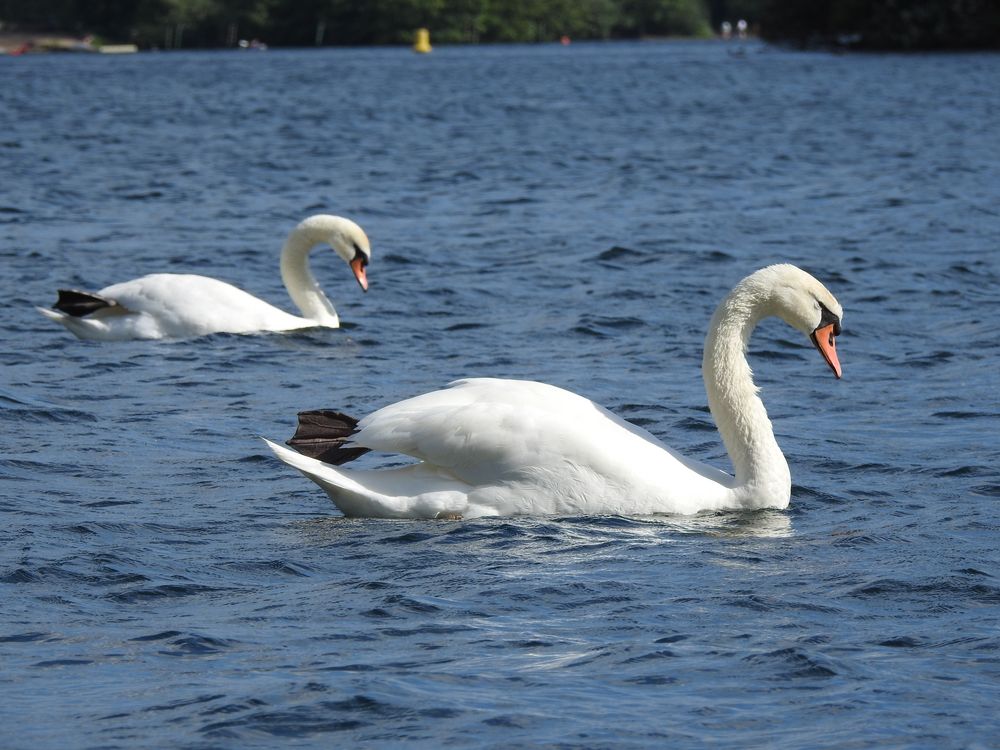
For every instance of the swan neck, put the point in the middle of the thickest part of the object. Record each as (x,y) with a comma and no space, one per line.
(299,281)
(762,476)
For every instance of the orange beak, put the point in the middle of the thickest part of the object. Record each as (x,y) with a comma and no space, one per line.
(825,341)
(358,266)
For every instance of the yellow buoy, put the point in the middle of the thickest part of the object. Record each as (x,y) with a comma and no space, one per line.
(422,42)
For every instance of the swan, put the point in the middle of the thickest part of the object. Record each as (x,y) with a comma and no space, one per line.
(491,447)
(170,305)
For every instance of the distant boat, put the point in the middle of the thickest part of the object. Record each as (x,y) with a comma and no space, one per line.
(117,49)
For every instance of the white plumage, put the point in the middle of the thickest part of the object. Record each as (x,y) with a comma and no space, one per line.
(167,305)
(491,447)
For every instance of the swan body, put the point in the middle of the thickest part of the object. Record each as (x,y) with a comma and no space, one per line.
(489,447)
(167,305)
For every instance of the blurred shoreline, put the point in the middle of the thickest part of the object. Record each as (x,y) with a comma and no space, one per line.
(22,43)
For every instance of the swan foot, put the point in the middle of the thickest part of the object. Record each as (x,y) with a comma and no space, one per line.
(321,434)
(79,304)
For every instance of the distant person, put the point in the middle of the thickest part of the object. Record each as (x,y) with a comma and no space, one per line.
(741,28)
(252,44)
(727,30)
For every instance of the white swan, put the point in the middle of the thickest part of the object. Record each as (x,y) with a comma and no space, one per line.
(500,447)
(169,305)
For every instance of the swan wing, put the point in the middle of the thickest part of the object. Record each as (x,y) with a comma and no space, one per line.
(492,433)
(192,305)
(505,447)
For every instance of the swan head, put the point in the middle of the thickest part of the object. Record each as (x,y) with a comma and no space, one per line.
(346,238)
(805,304)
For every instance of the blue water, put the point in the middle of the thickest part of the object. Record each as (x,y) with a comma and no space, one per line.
(570,215)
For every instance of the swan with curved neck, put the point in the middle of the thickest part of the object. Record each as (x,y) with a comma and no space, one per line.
(502,447)
(167,305)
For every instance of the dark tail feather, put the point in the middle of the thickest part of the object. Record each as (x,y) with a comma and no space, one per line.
(78,304)
(321,434)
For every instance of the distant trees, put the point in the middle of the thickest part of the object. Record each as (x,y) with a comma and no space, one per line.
(866,24)
(220,23)
(884,24)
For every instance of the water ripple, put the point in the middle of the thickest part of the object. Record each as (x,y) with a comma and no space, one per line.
(566,214)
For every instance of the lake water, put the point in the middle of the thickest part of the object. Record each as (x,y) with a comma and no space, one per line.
(571,215)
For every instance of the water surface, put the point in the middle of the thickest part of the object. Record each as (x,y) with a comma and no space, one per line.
(570,215)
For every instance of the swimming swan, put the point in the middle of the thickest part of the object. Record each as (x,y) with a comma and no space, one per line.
(490,447)
(170,305)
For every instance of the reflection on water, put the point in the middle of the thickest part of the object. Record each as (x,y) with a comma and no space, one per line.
(749,524)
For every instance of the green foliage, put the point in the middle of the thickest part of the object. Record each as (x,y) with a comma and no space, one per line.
(868,24)
(659,18)
(216,23)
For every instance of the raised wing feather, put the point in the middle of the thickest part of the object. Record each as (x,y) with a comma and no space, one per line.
(186,304)
(487,431)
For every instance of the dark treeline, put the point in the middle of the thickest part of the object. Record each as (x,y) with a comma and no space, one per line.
(221,23)
(883,24)
(863,24)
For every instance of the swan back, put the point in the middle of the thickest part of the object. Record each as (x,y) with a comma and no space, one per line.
(532,447)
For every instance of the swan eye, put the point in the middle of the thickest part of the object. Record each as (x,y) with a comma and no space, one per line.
(827,318)
(360,254)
